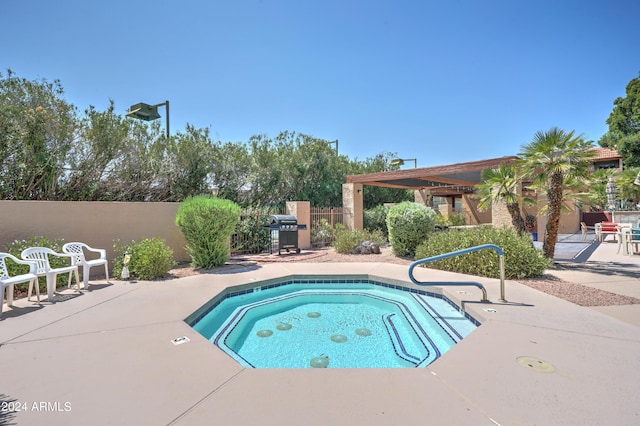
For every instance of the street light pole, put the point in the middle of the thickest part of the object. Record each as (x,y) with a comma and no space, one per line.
(146,112)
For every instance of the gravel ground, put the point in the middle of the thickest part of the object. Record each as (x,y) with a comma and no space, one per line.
(572,292)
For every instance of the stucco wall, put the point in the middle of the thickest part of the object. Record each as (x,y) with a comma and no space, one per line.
(95,223)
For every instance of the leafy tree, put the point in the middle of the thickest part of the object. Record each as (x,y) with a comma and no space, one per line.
(230,170)
(552,159)
(627,191)
(36,133)
(103,136)
(624,125)
(376,195)
(501,185)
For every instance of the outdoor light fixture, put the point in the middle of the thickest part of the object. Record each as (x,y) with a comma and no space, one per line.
(146,112)
(637,181)
(400,162)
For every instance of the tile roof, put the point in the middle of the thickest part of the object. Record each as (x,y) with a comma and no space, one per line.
(605,154)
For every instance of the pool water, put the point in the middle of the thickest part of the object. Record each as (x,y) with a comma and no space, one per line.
(333,324)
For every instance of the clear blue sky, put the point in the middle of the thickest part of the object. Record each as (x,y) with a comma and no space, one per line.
(443,81)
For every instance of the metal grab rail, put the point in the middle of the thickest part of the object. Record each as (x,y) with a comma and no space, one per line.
(458,253)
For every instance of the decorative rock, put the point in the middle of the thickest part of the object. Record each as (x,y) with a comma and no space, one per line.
(367,247)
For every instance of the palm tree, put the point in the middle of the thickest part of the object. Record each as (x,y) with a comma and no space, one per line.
(552,158)
(501,185)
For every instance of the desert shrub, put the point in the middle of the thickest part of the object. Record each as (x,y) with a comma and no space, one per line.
(376,219)
(322,233)
(457,219)
(346,241)
(16,247)
(151,258)
(454,219)
(252,235)
(521,258)
(207,224)
(409,224)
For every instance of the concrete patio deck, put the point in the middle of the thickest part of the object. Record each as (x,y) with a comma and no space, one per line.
(106,357)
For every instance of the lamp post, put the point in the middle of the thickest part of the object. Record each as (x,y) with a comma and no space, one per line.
(336,142)
(146,112)
(400,162)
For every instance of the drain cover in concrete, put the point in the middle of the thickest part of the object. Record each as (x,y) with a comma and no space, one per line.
(535,364)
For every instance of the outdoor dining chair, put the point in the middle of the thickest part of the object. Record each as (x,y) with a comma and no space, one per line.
(41,256)
(77,252)
(7,281)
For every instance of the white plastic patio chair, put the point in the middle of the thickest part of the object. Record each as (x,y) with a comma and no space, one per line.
(41,256)
(7,281)
(77,252)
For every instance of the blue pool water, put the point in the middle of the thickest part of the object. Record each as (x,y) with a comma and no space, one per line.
(334,324)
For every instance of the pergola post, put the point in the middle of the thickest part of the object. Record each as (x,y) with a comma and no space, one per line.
(352,204)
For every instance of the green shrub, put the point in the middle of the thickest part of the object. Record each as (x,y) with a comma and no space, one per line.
(454,219)
(409,224)
(322,233)
(346,241)
(207,224)
(252,236)
(521,258)
(151,258)
(16,247)
(376,219)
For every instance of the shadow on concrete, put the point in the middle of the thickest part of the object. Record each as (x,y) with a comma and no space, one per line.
(610,269)
(17,311)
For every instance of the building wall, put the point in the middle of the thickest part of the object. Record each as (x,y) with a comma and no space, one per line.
(95,223)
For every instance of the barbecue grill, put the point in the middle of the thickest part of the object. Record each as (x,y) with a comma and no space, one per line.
(284,233)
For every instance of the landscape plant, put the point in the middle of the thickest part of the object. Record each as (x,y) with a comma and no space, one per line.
(409,224)
(149,258)
(16,247)
(522,259)
(346,241)
(555,160)
(376,219)
(207,224)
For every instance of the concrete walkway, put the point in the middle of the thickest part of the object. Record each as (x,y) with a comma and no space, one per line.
(601,266)
(105,357)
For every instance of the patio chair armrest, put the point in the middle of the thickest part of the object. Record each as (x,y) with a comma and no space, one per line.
(102,252)
(33,265)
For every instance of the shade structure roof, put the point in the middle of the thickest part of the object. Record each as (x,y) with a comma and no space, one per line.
(451,179)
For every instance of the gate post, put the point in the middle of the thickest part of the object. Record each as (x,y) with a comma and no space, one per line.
(302,211)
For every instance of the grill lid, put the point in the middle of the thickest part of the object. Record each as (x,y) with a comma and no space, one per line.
(283,219)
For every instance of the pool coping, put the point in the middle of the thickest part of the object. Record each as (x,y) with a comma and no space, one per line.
(108,353)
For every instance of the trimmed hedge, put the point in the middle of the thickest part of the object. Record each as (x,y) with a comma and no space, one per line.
(409,224)
(521,258)
(207,224)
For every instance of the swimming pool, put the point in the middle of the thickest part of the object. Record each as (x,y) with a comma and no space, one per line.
(333,323)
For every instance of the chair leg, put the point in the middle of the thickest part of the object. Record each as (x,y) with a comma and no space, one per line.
(10,295)
(106,271)
(77,279)
(85,276)
(51,286)
(35,282)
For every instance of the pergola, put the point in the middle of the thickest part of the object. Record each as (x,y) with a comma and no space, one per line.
(439,181)
(452,179)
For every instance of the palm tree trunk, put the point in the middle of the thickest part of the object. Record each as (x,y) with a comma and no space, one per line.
(516,218)
(553,214)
